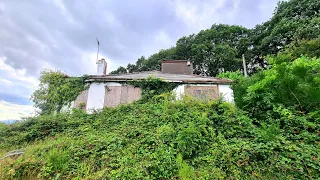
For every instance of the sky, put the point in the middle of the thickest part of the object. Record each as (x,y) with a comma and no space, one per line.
(38,35)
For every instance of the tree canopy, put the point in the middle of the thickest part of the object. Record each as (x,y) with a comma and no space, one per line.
(221,47)
(56,90)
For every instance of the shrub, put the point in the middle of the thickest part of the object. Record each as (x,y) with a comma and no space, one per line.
(291,84)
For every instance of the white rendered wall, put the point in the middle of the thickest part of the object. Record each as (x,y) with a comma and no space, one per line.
(179,91)
(226,92)
(96,95)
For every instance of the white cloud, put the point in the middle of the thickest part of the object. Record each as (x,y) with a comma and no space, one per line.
(162,38)
(16,74)
(14,112)
(15,82)
(199,16)
(5,81)
(64,11)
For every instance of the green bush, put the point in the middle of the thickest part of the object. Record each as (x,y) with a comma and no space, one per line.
(294,85)
(152,87)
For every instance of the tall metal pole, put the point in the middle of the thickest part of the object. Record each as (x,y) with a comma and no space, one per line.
(98,49)
(244,66)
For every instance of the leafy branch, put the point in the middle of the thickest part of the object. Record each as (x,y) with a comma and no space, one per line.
(57,90)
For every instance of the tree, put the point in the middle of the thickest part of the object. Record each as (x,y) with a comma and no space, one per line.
(219,48)
(56,90)
(293,21)
(292,84)
(141,63)
(120,70)
(154,61)
(132,68)
(183,47)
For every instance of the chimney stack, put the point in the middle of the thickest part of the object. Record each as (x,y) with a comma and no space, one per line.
(177,67)
(102,67)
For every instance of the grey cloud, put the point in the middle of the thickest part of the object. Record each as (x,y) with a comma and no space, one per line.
(136,23)
(249,12)
(73,28)
(38,33)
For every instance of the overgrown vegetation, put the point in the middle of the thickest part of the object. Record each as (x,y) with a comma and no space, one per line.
(187,139)
(57,90)
(276,137)
(294,85)
(271,132)
(152,86)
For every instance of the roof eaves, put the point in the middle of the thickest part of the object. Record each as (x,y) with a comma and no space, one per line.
(108,75)
(220,81)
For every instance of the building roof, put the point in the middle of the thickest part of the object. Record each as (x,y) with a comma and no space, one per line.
(177,78)
(172,60)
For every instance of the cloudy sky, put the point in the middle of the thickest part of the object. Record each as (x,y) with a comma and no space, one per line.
(60,35)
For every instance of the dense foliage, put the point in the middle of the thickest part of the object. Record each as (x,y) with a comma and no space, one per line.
(57,90)
(293,84)
(186,139)
(220,48)
(152,86)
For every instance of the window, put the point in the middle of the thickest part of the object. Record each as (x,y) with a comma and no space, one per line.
(200,94)
(197,93)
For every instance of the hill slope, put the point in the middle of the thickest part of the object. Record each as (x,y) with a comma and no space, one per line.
(162,139)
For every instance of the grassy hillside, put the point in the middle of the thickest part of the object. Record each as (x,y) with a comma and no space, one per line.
(162,139)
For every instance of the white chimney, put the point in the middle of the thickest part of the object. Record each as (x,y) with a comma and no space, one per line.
(101,67)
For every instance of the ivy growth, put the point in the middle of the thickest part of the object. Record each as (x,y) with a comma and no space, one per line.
(152,86)
(56,90)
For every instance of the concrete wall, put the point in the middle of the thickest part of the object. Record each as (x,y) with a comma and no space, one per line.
(205,92)
(81,99)
(130,94)
(220,90)
(113,94)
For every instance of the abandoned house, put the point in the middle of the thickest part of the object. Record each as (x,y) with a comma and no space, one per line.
(112,90)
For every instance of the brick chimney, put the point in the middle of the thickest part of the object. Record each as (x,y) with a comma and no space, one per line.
(177,67)
(101,67)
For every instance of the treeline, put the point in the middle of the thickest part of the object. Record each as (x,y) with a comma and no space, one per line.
(221,47)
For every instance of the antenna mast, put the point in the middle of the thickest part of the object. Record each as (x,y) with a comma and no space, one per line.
(98,50)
